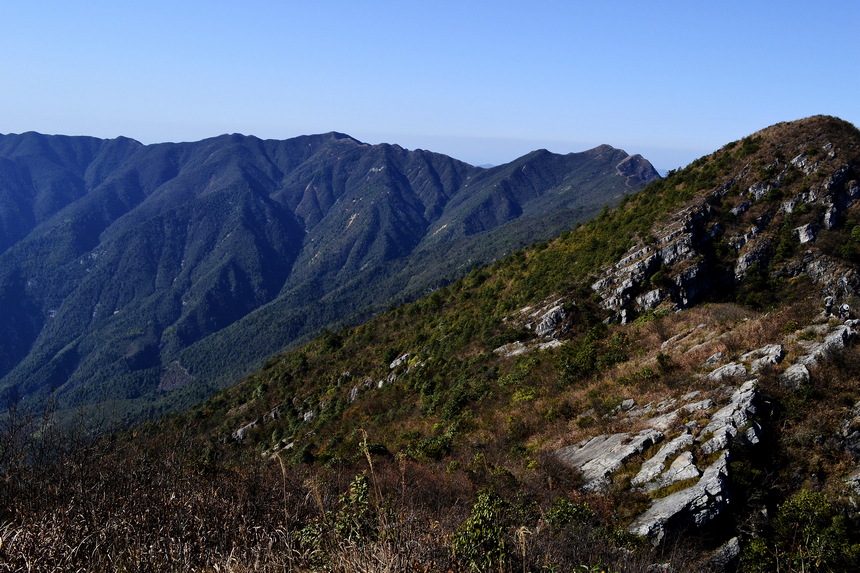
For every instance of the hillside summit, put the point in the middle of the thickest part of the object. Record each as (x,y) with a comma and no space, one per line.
(672,385)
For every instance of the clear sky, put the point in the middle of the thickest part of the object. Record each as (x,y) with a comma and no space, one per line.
(482,81)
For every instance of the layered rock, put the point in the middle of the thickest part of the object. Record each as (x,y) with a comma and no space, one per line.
(677,460)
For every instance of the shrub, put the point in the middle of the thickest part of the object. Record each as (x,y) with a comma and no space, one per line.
(480,541)
(808,536)
(564,513)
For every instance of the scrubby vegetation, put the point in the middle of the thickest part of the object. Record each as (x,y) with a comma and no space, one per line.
(422,441)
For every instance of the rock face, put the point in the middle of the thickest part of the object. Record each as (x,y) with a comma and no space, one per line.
(602,455)
(696,505)
(548,321)
(675,244)
(694,455)
(678,459)
(680,250)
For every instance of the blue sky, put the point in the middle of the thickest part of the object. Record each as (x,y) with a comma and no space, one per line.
(482,81)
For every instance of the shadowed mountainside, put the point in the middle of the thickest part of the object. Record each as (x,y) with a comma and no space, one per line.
(155,274)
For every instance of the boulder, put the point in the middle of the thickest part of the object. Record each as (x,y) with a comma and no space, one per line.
(596,458)
(680,469)
(696,505)
(705,404)
(764,357)
(795,376)
(738,411)
(397,362)
(242,432)
(550,320)
(805,233)
(726,554)
(740,209)
(730,370)
(650,300)
(654,466)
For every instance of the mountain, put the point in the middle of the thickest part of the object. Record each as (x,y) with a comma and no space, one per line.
(672,385)
(154,274)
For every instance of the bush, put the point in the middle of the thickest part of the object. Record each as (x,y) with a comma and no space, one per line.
(808,536)
(480,540)
(564,513)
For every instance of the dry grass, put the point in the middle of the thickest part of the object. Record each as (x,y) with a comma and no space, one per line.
(151,507)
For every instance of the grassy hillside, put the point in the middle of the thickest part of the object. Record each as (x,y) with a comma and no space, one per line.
(430,438)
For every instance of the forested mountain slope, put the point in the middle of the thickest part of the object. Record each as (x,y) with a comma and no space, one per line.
(152,275)
(672,385)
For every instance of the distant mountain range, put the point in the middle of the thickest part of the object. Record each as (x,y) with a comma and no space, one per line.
(151,275)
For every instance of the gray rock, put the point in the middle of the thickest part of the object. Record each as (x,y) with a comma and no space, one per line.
(758,190)
(678,250)
(805,233)
(242,432)
(714,359)
(596,458)
(655,465)
(830,216)
(696,505)
(730,370)
(728,552)
(849,432)
(550,320)
(765,357)
(853,481)
(639,412)
(795,376)
(399,361)
(650,300)
(757,254)
(705,404)
(740,208)
(814,351)
(769,350)
(721,440)
(549,345)
(601,284)
(736,414)
(273,414)
(511,349)
(680,469)
(353,394)
(663,422)
(753,434)
(839,338)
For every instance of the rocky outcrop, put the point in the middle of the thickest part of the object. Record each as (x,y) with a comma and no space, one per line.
(691,269)
(678,460)
(765,357)
(674,244)
(548,321)
(596,458)
(654,466)
(696,505)
(795,376)
(730,370)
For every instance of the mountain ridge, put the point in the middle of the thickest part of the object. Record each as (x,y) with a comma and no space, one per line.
(157,247)
(671,385)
